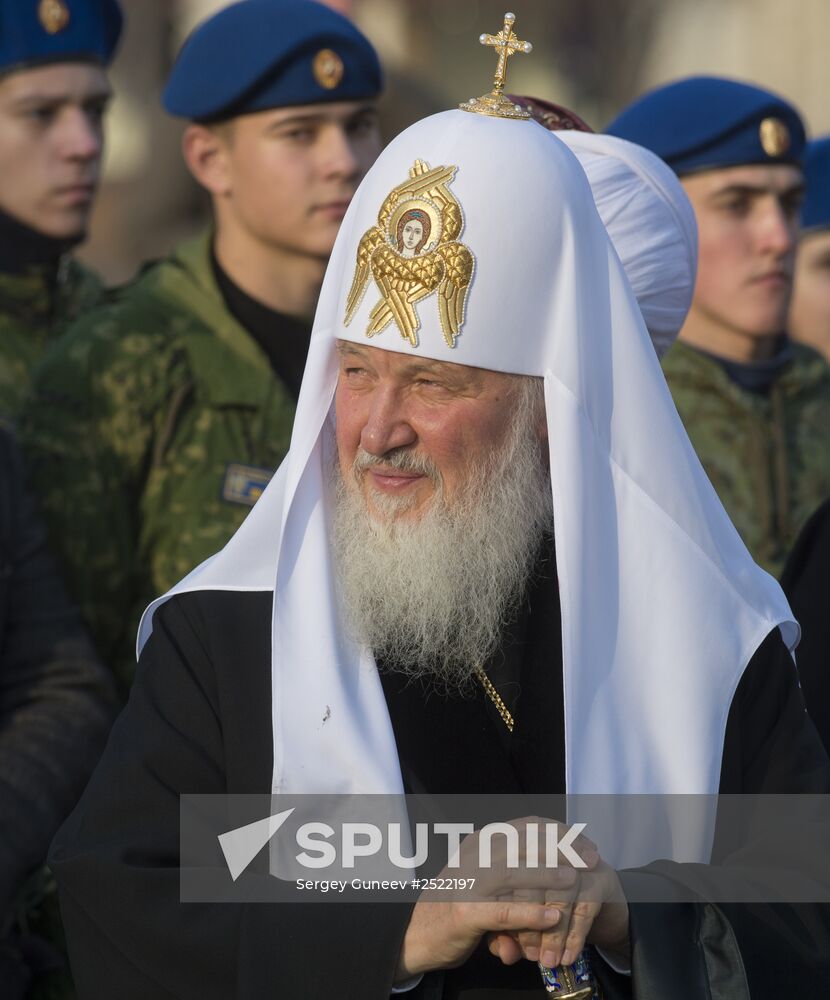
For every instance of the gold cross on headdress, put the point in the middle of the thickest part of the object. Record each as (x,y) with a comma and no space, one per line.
(506,44)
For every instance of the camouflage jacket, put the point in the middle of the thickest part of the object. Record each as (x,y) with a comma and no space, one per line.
(768,457)
(153,427)
(34,310)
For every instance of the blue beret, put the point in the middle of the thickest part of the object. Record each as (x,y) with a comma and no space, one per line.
(707,122)
(43,31)
(259,54)
(815,212)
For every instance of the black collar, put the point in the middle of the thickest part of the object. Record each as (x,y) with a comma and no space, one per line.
(284,339)
(23,249)
(758,377)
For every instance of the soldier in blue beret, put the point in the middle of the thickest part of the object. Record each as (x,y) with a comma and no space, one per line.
(806,577)
(53,93)
(167,409)
(755,404)
(810,309)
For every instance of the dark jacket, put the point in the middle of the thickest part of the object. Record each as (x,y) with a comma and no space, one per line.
(806,582)
(199,721)
(56,707)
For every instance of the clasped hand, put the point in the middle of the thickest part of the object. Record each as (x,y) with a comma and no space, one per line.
(527,911)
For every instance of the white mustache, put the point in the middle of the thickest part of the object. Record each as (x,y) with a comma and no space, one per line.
(398,458)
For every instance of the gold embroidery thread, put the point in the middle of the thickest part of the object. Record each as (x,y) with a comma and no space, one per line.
(412,252)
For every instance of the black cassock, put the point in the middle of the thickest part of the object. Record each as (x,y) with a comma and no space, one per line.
(806,582)
(199,722)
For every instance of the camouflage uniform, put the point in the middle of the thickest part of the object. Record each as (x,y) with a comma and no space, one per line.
(768,457)
(154,426)
(35,308)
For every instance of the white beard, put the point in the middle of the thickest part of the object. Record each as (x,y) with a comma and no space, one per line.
(431,595)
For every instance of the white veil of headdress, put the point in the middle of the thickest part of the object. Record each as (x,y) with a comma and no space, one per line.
(662,606)
(651,223)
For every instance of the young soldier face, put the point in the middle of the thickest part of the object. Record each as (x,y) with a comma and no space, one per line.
(810,310)
(290,173)
(51,142)
(747,220)
(444,420)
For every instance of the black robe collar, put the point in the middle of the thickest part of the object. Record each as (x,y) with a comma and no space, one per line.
(451,742)
(469,745)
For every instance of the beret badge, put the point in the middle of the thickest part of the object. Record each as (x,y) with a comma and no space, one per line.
(327,68)
(775,136)
(414,252)
(53,16)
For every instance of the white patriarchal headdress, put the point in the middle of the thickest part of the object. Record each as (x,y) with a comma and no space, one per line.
(662,606)
(651,223)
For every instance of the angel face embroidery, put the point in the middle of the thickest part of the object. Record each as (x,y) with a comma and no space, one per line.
(412,252)
(413,232)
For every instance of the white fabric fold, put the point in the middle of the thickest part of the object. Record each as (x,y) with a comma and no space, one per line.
(662,606)
(651,223)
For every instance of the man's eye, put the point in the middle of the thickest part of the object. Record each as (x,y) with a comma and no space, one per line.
(96,111)
(41,116)
(299,135)
(736,206)
(361,126)
(791,205)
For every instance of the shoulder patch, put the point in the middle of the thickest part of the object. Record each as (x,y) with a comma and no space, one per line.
(244,483)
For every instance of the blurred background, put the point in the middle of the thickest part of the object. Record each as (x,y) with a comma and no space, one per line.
(591,55)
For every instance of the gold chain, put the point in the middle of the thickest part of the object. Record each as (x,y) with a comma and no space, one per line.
(496,699)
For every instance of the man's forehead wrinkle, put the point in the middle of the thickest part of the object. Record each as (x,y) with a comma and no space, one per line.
(765,178)
(318,113)
(745,188)
(414,366)
(60,99)
(299,117)
(447,369)
(41,93)
(345,347)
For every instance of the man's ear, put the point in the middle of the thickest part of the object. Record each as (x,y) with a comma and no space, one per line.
(205,151)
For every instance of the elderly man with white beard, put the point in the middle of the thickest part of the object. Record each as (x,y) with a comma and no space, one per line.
(436,527)
(491,563)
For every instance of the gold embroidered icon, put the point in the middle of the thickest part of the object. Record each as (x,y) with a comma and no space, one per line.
(412,252)
(327,68)
(53,15)
(775,136)
(495,103)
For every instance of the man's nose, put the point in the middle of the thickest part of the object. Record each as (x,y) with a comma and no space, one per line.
(338,154)
(387,425)
(780,230)
(81,136)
